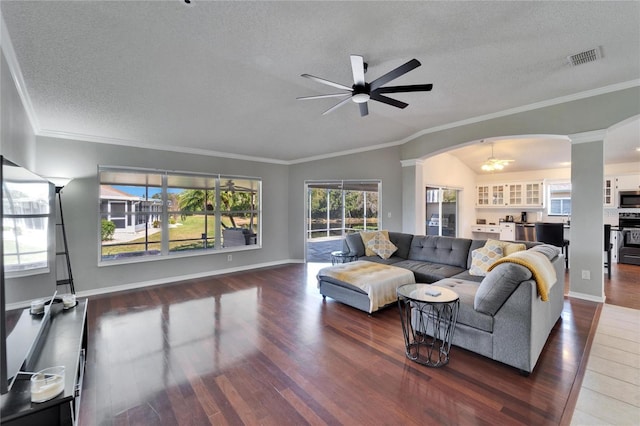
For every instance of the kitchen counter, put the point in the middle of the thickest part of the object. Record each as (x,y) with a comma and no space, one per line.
(526,231)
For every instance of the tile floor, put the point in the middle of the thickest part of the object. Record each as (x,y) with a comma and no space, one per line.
(610,392)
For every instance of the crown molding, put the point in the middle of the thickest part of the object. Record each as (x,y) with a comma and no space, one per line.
(137,144)
(411,162)
(530,107)
(16,74)
(592,136)
(346,152)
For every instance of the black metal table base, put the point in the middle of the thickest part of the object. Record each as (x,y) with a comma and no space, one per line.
(428,330)
(338,257)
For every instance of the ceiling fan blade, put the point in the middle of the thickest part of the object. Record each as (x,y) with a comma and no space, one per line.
(336,106)
(357,66)
(386,100)
(392,75)
(327,82)
(364,109)
(412,88)
(333,95)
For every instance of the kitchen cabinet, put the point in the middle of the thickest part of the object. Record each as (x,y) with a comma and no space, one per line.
(533,194)
(628,183)
(508,231)
(609,193)
(616,242)
(512,194)
(515,194)
(504,231)
(486,229)
(490,195)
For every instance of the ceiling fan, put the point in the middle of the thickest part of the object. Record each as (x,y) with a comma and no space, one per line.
(493,163)
(361,91)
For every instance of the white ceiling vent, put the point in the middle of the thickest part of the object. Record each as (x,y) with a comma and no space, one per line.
(585,57)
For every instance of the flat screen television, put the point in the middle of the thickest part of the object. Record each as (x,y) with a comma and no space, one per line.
(28,266)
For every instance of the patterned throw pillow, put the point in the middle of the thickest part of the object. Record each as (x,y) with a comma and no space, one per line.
(381,246)
(484,257)
(507,247)
(367,236)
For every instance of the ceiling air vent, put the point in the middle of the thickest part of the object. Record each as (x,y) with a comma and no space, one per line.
(584,57)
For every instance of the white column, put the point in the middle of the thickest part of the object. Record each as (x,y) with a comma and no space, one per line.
(587,217)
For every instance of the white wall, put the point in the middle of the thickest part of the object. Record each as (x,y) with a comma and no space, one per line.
(448,171)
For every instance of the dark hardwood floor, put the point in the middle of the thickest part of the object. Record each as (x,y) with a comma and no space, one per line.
(262,347)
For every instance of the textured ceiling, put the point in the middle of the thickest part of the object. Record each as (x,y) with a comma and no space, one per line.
(223,76)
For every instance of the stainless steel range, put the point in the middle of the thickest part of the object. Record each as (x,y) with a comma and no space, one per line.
(629,224)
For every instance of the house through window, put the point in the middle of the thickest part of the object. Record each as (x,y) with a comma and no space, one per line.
(559,198)
(158,213)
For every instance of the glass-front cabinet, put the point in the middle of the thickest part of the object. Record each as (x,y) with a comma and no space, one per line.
(490,195)
(511,194)
(515,194)
(482,195)
(609,199)
(534,194)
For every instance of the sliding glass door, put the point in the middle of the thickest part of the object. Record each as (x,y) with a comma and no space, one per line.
(442,211)
(337,208)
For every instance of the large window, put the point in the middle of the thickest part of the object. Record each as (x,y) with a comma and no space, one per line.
(160,213)
(559,198)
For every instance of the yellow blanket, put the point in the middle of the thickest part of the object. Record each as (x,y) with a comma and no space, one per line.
(540,266)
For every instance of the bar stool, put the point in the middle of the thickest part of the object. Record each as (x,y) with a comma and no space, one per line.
(553,233)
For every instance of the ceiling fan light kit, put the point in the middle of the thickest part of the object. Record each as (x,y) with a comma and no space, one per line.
(494,164)
(361,91)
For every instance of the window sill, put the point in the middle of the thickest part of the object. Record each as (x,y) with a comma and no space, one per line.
(177,255)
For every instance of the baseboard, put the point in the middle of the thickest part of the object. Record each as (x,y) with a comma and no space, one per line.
(173,279)
(588,297)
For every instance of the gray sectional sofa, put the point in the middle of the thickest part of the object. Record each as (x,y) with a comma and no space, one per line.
(501,314)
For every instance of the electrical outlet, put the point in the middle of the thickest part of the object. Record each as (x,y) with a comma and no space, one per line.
(586,275)
(230,258)
(389,215)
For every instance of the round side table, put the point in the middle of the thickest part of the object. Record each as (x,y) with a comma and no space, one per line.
(428,322)
(342,257)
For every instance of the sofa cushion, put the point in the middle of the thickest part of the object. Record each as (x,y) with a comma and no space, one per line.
(443,250)
(381,246)
(429,272)
(402,241)
(354,244)
(483,258)
(466,291)
(465,275)
(498,285)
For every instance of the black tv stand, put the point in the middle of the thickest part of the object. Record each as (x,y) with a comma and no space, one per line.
(64,343)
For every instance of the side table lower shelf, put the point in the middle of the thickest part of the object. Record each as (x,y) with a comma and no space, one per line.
(428,322)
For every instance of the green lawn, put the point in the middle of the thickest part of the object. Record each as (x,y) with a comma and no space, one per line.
(191,228)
